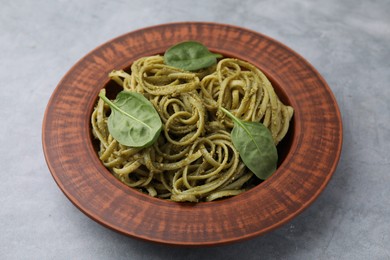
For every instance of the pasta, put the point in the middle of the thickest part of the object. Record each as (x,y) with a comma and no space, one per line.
(194,158)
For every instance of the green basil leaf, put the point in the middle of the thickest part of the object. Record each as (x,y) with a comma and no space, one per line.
(133,120)
(190,56)
(256,146)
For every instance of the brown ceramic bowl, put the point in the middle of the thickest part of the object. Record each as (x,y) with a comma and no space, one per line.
(309,155)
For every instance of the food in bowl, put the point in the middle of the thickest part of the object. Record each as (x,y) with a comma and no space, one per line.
(190,125)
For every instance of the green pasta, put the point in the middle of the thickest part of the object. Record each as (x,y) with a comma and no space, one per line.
(194,158)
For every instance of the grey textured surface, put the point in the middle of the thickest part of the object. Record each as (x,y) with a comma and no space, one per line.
(347,41)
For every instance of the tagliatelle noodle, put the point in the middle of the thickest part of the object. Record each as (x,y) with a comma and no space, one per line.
(194,158)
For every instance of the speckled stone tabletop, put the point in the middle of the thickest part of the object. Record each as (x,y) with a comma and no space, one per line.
(347,41)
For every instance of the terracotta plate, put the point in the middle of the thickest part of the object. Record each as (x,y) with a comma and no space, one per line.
(309,155)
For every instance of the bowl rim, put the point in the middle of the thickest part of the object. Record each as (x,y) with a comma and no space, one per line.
(52,144)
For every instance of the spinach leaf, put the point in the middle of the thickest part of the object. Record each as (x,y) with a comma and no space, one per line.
(133,120)
(190,56)
(255,145)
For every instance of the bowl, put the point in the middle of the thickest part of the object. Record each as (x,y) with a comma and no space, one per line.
(309,154)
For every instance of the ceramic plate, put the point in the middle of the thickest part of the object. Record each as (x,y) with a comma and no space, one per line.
(309,154)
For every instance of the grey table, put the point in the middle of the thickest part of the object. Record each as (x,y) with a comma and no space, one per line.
(347,41)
